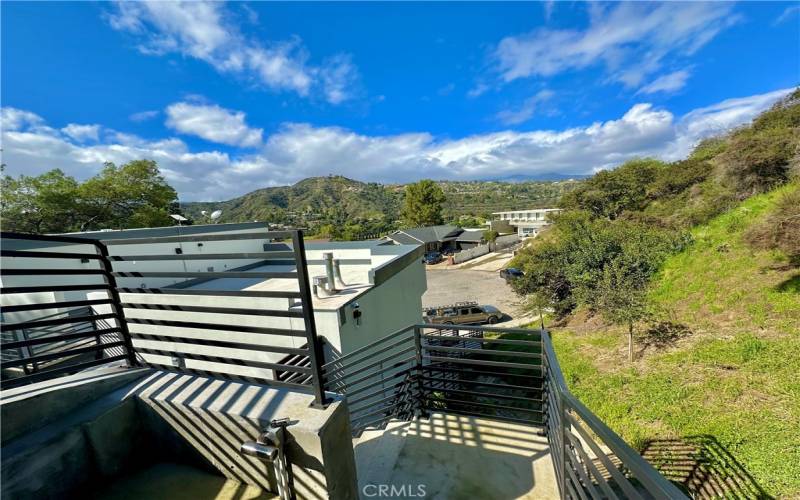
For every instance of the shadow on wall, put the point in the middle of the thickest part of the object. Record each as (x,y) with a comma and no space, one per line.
(211,415)
(702,467)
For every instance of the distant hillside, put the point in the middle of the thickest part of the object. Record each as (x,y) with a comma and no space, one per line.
(307,200)
(311,200)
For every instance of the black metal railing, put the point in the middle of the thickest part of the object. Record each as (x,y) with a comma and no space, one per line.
(47,318)
(502,374)
(229,305)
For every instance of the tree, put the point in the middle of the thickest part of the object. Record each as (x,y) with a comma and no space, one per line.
(41,204)
(490,235)
(622,296)
(422,205)
(132,195)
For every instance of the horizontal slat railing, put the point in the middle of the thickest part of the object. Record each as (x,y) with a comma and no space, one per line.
(512,376)
(50,326)
(182,297)
(209,320)
(578,437)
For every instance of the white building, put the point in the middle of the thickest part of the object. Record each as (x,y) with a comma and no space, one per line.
(526,222)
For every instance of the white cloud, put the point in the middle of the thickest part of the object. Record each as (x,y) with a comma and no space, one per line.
(630,39)
(213,123)
(719,118)
(15,119)
(142,116)
(205,30)
(787,14)
(667,83)
(526,112)
(478,90)
(299,150)
(82,133)
(339,78)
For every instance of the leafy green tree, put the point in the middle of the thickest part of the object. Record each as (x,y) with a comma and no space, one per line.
(490,235)
(132,195)
(42,204)
(569,267)
(622,296)
(129,196)
(422,204)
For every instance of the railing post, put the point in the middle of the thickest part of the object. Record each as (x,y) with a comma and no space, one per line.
(562,450)
(314,347)
(116,303)
(420,390)
(560,429)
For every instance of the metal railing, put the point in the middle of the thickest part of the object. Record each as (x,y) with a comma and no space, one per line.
(504,374)
(234,322)
(196,325)
(591,460)
(42,274)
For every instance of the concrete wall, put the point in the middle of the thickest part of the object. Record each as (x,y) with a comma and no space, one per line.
(117,429)
(465,255)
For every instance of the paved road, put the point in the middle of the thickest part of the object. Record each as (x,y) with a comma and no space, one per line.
(485,287)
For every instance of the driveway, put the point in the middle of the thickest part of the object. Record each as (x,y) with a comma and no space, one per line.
(446,286)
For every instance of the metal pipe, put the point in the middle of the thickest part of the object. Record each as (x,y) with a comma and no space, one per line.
(321,287)
(338,272)
(260,450)
(328,258)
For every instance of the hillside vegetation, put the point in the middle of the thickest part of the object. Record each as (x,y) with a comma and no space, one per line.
(699,261)
(725,367)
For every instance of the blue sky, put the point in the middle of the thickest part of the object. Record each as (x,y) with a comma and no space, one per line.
(232,97)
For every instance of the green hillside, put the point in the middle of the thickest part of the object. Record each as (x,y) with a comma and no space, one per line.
(675,295)
(729,368)
(337,200)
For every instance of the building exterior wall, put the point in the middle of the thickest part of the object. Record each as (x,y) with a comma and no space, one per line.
(393,305)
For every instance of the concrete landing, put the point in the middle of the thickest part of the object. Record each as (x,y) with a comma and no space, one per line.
(455,457)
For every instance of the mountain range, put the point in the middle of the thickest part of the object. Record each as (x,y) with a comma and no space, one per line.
(315,198)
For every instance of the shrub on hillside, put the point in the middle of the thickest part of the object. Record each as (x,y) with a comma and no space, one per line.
(765,154)
(611,192)
(709,148)
(570,268)
(759,160)
(674,178)
(781,229)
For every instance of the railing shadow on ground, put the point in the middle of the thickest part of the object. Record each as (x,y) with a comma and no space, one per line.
(459,456)
(702,467)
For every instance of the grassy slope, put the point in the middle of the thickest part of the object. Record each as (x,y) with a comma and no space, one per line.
(736,377)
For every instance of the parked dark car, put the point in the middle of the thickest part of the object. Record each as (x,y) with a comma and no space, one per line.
(511,274)
(432,258)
